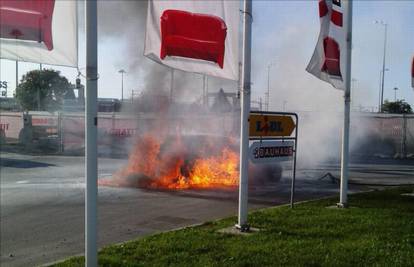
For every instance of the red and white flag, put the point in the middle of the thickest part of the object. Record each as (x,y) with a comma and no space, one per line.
(195,36)
(329,59)
(40,31)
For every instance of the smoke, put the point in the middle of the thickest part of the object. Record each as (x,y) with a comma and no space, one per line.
(125,22)
(292,88)
(320,107)
(318,104)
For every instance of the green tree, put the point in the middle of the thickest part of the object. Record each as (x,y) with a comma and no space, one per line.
(398,107)
(43,90)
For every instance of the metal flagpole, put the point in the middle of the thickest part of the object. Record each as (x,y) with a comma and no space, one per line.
(204,91)
(172,85)
(245,110)
(91,162)
(17,74)
(343,199)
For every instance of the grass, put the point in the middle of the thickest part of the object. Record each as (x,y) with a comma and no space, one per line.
(378,230)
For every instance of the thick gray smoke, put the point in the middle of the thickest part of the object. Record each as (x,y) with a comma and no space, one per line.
(126,21)
(319,106)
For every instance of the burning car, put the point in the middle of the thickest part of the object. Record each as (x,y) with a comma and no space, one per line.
(188,162)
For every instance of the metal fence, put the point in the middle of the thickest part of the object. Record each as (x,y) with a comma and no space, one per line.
(393,133)
(372,134)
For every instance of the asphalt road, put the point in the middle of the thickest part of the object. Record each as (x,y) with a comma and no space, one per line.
(42,203)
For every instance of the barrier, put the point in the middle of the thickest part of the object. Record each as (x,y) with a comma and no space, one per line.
(392,135)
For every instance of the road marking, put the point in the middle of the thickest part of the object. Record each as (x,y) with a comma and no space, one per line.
(22,182)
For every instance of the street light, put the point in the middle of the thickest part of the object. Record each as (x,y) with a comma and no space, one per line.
(122,83)
(381,90)
(395,94)
(380,22)
(268,84)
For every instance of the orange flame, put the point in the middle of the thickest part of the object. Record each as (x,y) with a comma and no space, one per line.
(171,169)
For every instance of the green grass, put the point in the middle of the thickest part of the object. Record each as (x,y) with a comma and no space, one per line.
(378,230)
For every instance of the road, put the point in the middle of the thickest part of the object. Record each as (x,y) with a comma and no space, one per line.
(42,203)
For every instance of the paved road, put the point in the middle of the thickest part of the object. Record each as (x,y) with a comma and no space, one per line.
(42,204)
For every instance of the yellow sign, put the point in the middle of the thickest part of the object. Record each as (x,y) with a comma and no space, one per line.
(266,125)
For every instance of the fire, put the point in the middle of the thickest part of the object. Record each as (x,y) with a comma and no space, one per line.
(171,165)
(217,171)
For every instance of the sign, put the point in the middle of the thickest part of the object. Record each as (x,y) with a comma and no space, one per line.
(271,151)
(44,121)
(266,125)
(3,85)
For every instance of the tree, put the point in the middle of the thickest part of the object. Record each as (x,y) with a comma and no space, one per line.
(43,90)
(399,107)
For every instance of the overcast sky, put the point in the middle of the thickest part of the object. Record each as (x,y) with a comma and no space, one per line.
(284,33)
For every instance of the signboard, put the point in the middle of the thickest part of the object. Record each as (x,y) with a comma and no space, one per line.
(271,151)
(268,125)
(44,121)
(3,88)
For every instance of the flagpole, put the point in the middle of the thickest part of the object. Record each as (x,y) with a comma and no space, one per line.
(91,162)
(172,85)
(17,75)
(343,199)
(245,110)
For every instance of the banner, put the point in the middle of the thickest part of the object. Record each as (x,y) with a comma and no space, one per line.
(195,36)
(328,62)
(39,31)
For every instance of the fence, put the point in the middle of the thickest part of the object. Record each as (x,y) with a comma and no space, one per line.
(373,134)
(394,134)
(116,132)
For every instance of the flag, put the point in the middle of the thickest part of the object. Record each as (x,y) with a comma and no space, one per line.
(329,59)
(195,36)
(39,31)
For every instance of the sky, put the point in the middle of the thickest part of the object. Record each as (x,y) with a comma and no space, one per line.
(284,35)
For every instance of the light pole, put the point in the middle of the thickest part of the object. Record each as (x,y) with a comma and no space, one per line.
(268,85)
(383,59)
(395,94)
(381,90)
(122,84)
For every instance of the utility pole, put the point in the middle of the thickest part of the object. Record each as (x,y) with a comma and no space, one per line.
(122,84)
(268,85)
(242,224)
(395,94)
